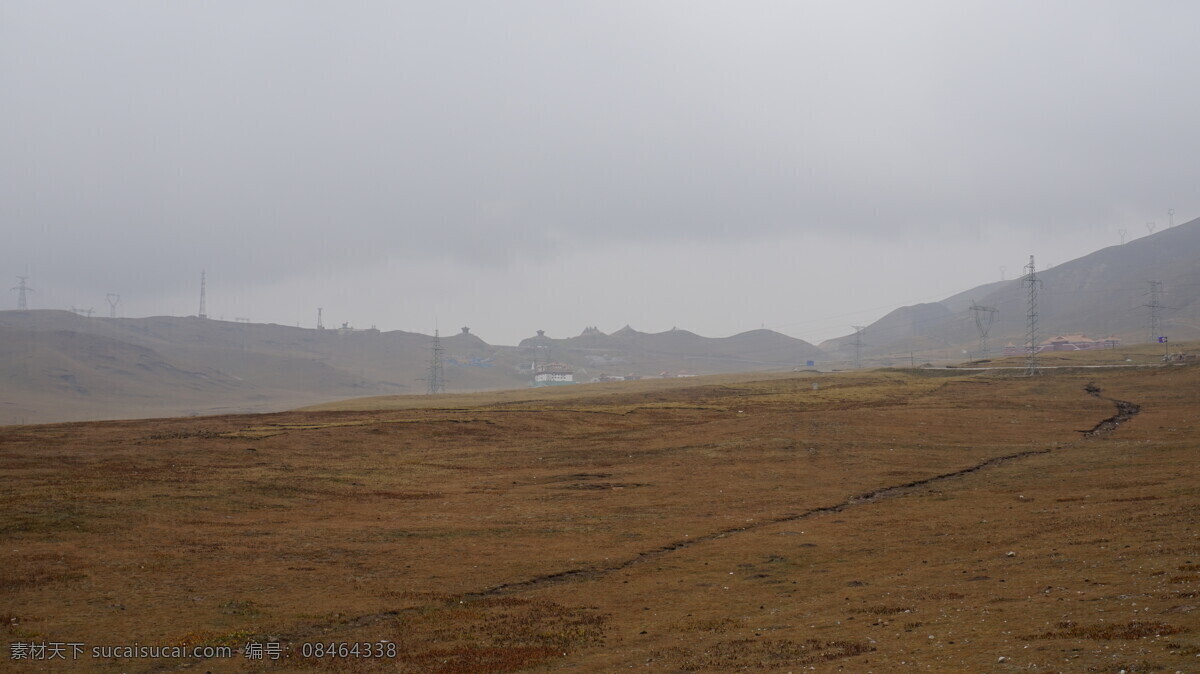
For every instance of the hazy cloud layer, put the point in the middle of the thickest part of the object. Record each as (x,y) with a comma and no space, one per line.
(548,163)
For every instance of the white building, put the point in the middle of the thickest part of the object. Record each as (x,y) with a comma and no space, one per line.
(552,374)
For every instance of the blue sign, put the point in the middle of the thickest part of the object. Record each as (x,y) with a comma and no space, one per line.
(811,363)
(1162,340)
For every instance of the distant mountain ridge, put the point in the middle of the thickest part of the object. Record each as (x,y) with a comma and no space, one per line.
(57,365)
(674,351)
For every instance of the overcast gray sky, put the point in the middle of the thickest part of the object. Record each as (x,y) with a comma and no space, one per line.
(551,165)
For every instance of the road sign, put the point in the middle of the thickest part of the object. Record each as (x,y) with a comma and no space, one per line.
(1162,340)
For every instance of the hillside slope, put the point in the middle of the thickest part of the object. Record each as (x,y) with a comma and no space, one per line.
(58,366)
(1101,294)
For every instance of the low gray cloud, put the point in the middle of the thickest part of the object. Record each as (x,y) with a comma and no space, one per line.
(290,140)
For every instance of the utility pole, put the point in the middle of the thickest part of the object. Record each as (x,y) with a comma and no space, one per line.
(437,376)
(113,300)
(1156,306)
(22,289)
(984,318)
(85,312)
(858,345)
(1170,218)
(203,312)
(320,319)
(1032,282)
(1123,232)
(1150,227)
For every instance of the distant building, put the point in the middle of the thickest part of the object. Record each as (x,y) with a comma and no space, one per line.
(552,374)
(348,329)
(1079,343)
(1066,343)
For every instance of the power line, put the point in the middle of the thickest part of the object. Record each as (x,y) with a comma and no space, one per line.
(940,298)
(1032,282)
(1002,304)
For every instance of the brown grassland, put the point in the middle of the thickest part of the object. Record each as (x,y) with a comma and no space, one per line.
(888,520)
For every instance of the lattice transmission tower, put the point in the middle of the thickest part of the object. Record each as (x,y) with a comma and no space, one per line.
(1032,283)
(437,374)
(984,318)
(858,344)
(1156,306)
(22,289)
(203,311)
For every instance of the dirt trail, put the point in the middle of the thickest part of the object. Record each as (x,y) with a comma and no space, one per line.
(1125,411)
(594,573)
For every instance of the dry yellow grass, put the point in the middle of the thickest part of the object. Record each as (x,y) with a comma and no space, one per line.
(739,523)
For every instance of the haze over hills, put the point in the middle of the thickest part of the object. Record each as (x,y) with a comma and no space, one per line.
(56,365)
(60,366)
(1102,294)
